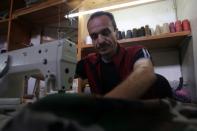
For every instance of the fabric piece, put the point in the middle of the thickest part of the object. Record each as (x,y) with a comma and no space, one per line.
(3,120)
(77,112)
(29,120)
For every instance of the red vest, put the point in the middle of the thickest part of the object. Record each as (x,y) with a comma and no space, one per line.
(123,60)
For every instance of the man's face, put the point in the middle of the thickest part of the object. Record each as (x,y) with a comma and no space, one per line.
(103,35)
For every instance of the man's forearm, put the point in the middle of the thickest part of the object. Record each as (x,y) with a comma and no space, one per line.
(137,83)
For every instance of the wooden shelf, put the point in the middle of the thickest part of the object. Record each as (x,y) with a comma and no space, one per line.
(44,17)
(36,7)
(39,17)
(170,40)
(4,5)
(3,26)
(4,21)
(45,13)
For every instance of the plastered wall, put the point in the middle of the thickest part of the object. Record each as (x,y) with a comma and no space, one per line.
(151,14)
(186,9)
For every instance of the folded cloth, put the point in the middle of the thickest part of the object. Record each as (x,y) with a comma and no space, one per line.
(78,112)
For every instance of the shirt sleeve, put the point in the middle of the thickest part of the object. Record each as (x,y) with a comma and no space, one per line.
(142,53)
(80,71)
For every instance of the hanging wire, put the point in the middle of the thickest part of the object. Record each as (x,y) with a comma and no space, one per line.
(59,22)
(73,10)
(77,7)
(72,20)
(175,8)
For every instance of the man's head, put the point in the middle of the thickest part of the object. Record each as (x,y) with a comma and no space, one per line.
(102,29)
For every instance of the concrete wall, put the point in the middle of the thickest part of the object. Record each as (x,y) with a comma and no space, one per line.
(186,9)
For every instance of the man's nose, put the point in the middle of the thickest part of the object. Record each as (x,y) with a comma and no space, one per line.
(100,38)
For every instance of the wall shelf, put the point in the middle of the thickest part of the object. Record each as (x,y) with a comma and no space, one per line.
(4,21)
(3,26)
(26,19)
(36,7)
(170,40)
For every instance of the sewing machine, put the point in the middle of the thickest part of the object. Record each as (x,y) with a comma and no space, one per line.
(54,61)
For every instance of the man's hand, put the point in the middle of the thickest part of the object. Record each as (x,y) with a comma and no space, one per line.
(137,83)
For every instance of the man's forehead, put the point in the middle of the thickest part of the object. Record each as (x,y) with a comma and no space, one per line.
(99,22)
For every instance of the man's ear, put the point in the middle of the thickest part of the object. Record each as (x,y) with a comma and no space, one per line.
(116,32)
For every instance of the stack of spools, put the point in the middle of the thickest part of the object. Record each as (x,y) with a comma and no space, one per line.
(172,27)
(186,25)
(135,32)
(180,26)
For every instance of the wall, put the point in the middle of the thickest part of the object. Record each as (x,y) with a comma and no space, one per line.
(186,9)
(135,17)
(151,14)
(167,63)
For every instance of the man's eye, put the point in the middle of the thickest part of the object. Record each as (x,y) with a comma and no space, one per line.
(94,36)
(106,32)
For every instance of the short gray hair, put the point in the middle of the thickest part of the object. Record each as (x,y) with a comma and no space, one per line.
(101,13)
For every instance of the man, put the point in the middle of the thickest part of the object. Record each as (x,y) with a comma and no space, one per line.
(114,71)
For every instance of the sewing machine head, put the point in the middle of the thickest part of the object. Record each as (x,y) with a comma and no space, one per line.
(54,62)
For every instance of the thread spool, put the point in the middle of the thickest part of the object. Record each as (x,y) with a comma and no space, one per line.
(158,30)
(166,28)
(119,35)
(139,32)
(186,25)
(134,32)
(178,26)
(129,34)
(123,34)
(152,31)
(142,31)
(172,27)
(147,30)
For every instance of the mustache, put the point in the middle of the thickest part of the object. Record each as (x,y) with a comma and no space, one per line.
(102,45)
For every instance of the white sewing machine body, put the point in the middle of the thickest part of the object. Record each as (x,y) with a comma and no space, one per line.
(54,60)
